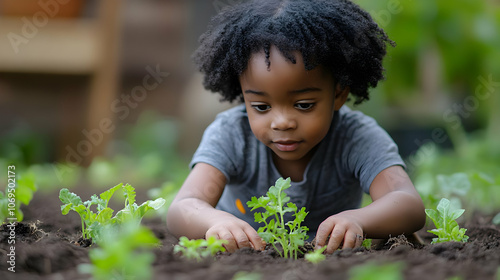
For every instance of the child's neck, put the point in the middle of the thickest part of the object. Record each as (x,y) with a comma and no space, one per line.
(294,169)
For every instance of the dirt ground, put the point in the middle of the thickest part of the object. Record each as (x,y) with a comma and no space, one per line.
(44,250)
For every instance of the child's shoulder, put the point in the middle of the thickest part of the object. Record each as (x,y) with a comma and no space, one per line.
(233,122)
(236,115)
(349,117)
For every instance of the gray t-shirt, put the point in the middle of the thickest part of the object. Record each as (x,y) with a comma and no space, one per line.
(345,163)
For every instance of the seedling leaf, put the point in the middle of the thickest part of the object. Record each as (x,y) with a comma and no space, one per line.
(447,228)
(276,204)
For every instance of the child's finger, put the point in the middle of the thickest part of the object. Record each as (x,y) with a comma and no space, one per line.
(359,240)
(335,239)
(240,238)
(231,246)
(351,240)
(256,241)
(324,230)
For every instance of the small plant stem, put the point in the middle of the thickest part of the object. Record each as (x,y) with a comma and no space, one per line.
(282,222)
(83,230)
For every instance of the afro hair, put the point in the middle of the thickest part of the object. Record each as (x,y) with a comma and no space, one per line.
(336,34)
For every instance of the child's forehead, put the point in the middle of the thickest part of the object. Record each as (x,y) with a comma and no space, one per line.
(265,60)
(275,70)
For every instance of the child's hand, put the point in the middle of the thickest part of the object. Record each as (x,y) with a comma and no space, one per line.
(239,234)
(340,227)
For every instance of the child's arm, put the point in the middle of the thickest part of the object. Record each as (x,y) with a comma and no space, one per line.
(192,213)
(396,208)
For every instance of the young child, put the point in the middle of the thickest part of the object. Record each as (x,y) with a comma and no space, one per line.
(293,63)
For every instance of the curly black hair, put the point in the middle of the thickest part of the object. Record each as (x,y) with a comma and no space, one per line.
(336,34)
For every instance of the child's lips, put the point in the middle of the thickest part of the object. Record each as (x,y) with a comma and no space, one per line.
(287,146)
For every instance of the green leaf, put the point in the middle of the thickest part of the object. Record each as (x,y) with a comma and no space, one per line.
(25,188)
(66,208)
(443,207)
(447,228)
(68,197)
(106,195)
(316,256)
(129,193)
(457,183)
(157,203)
(80,209)
(105,216)
(275,228)
(142,209)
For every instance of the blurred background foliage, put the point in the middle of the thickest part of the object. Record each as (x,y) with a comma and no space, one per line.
(436,79)
(443,76)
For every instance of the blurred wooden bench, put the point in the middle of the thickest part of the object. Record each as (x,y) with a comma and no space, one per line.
(62,45)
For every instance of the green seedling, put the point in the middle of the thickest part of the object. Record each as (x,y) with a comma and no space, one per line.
(17,192)
(199,248)
(367,243)
(374,271)
(92,222)
(447,228)
(123,253)
(290,235)
(132,211)
(316,256)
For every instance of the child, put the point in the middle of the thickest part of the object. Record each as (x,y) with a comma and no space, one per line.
(293,64)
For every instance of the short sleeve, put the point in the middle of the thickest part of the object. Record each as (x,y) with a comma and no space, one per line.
(369,150)
(223,143)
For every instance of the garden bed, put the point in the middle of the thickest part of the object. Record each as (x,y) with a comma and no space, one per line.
(45,248)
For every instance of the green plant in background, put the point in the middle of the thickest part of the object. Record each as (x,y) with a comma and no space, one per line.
(473,181)
(147,154)
(122,253)
(316,256)
(431,189)
(18,191)
(50,176)
(374,271)
(93,222)
(447,228)
(199,248)
(168,190)
(289,235)
(455,41)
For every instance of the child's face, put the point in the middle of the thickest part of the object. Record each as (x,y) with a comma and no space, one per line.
(289,109)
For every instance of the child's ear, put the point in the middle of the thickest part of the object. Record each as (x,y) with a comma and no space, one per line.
(341,94)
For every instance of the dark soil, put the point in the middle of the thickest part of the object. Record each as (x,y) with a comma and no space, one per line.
(47,248)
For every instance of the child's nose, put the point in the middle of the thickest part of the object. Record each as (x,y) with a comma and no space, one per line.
(283,121)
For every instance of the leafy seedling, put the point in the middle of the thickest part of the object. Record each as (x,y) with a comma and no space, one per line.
(92,222)
(447,228)
(290,235)
(132,211)
(122,253)
(367,243)
(199,248)
(17,192)
(316,256)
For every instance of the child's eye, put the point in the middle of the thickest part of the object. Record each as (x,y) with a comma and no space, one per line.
(261,108)
(304,106)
